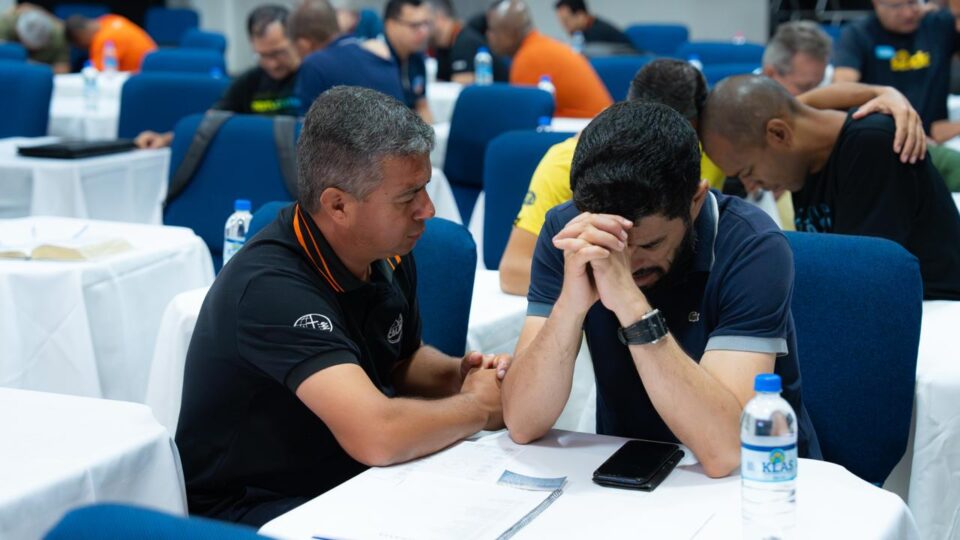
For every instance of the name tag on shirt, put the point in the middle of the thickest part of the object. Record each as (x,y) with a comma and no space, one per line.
(884,52)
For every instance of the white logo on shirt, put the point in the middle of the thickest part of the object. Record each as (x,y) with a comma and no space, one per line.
(396,330)
(314,321)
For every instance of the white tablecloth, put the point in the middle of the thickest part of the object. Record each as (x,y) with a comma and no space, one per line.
(69,115)
(59,452)
(88,328)
(832,503)
(129,186)
(442,97)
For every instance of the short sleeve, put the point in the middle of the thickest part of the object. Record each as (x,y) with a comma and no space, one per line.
(462,53)
(546,270)
(290,329)
(549,186)
(850,51)
(754,298)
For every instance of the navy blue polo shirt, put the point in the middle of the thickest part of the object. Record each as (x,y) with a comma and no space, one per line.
(345,63)
(736,296)
(413,75)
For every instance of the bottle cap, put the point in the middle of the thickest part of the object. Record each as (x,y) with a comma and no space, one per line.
(546,78)
(240,205)
(483,50)
(767,382)
(544,121)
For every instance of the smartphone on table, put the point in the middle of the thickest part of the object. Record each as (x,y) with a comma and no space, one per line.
(639,464)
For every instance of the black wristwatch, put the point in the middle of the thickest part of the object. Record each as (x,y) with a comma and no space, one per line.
(651,328)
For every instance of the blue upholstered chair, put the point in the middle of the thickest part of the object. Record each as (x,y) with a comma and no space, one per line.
(446,263)
(12,51)
(201,61)
(715,73)
(123,522)
(156,101)
(264,216)
(510,161)
(617,72)
(195,38)
(166,25)
(25,89)
(90,11)
(241,162)
(480,114)
(857,305)
(721,52)
(662,39)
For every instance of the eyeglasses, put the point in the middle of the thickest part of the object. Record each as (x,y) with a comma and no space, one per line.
(416,25)
(279,54)
(897,6)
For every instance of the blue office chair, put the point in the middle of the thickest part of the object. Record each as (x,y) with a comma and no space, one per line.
(156,101)
(264,216)
(721,52)
(204,61)
(201,39)
(446,258)
(715,73)
(12,51)
(26,89)
(369,26)
(480,114)
(123,522)
(90,11)
(241,162)
(508,166)
(833,30)
(166,26)
(857,305)
(617,72)
(662,39)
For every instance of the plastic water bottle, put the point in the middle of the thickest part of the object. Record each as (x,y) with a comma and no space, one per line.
(694,61)
(739,38)
(543,124)
(91,93)
(235,231)
(110,62)
(546,84)
(483,67)
(768,463)
(576,42)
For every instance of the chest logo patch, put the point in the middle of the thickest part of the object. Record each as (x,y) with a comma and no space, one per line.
(314,321)
(693,317)
(396,330)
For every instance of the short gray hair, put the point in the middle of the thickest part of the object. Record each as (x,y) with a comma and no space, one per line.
(347,133)
(796,37)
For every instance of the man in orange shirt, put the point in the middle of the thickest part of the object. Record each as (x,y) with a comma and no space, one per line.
(129,40)
(579,91)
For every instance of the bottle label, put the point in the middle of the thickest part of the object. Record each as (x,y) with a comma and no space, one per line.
(768,463)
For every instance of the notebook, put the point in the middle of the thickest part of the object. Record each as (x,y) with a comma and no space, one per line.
(71,249)
(77,149)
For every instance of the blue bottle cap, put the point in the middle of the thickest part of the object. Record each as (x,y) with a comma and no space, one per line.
(544,121)
(240,205)
(483,50)
(767,382)
(546,78)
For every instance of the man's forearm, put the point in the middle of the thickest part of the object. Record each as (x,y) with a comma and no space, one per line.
(428,373)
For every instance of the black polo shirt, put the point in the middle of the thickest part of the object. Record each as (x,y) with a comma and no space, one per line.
(256,92)
(413,75)
(736,296)
(916,64)
(601,31)
(274,317)
(459,57)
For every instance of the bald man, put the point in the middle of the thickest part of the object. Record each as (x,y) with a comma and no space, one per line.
(510,32)
(842,174)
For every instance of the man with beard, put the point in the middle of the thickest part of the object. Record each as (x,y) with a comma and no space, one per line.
(694,292)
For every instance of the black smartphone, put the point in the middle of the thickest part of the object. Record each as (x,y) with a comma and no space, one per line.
(639,465)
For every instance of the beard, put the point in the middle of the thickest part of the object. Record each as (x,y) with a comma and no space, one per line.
(680,264)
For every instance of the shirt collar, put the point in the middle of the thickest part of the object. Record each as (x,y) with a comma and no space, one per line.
(705,227)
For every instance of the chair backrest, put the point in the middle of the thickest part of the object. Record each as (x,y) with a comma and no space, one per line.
(721,52)
(660,39)
(166,26)
(12,51)
(26,89)
(204,61)
(264,216)
(509,164)
(156,101)
(90,11)
(857,305)
(195,38)
(480,114)
(715,73)
(240,163)
(116,521)
(446,263)
(617,72)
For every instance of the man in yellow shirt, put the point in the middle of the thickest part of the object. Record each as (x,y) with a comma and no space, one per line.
(680,86)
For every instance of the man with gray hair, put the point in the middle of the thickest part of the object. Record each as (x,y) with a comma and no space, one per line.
(39,32)
(798,56)
(306,365)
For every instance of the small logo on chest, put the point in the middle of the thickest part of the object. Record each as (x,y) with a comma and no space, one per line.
(396,330)
(693,317)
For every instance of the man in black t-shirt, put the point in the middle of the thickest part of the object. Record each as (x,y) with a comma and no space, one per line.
(306,365)
(267,88)
(456,45)
(904,46)
(843,176)
(574,17)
